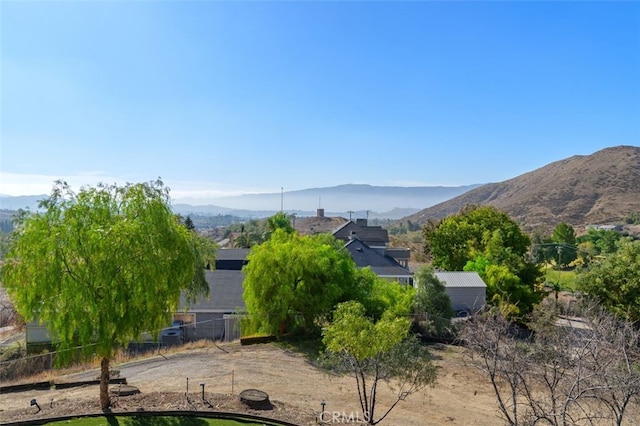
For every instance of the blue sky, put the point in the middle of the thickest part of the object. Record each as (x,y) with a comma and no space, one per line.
(240,97)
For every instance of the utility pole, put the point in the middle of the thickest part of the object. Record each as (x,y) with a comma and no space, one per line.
(350,211)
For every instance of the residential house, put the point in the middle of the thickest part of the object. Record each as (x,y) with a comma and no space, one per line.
(375,237)
(208,318)
(384,266)
(214,317)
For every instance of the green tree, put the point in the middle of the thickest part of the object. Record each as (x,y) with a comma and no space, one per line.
(279,220)
(615,281)
(564,233)
(604,240)
(247,238)
(487,241)
(188,222)
(632,218)
(374,352)
(566,250)
(587,251)
(102,266)
(294,281)
(432,302)
(463,236)
(379,295)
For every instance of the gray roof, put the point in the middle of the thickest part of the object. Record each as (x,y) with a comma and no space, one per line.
(232,254)
(384,266)
(460,279)
(225,293)
(371,235)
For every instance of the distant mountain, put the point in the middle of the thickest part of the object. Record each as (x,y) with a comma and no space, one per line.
(600,188)
(8,202)
(342,198)
(210,210)
(381,202)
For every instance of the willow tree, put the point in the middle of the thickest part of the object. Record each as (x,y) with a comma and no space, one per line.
(102,266)
(292,282)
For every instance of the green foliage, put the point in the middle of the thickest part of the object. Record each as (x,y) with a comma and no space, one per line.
(247,239)
(487,241)
(564,233)
(597,242)
(279,220)
(204,221)
(353,332)
(565,279)
(512,295)
(432,302)
(379,295)
(188,222)
(461,237)
(250,233)
(403,228)
(560,255)
(102,266)
(632,218)
(506,291)
(615,281)
(294,281)
(375,351)
(258,231)
(565,238)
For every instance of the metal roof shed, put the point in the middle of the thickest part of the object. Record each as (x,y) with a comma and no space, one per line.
(466,290)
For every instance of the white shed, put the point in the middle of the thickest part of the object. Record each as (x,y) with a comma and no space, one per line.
(466,290)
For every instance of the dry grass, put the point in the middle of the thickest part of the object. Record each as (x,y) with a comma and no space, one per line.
(581,190)
(35,368)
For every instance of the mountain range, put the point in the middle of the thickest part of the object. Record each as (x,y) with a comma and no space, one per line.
(388,202)
(391,202)
(600,188)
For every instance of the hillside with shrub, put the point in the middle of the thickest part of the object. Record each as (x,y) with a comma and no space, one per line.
(600,188)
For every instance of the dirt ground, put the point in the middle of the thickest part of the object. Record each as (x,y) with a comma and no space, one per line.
(461,396)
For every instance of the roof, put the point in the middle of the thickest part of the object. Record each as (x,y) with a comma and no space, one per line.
(384,266)
(460,279)
(231,259)
(317,224)
(371,235)
(225,293)
(232,254)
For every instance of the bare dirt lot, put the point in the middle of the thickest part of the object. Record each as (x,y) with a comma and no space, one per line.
(296,388)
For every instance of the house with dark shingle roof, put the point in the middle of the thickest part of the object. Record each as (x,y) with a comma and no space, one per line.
(375,237)
(383,266)
(231,258)
(214,317)
(208,318)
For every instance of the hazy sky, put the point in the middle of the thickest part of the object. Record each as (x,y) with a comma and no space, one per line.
(236,97)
